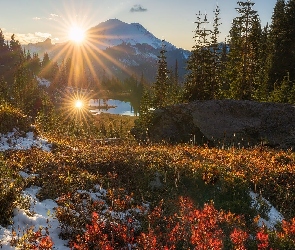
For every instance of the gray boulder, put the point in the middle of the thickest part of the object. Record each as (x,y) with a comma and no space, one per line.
(226,122)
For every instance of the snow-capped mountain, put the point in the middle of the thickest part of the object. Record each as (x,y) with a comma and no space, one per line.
(122,49)
(115,32)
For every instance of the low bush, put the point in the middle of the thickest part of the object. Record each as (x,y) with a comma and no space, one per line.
(11,185)
(11,117)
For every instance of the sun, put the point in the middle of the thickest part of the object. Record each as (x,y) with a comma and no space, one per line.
(78,104)
(76,34)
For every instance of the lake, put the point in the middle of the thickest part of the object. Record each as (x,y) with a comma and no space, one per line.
(110,106)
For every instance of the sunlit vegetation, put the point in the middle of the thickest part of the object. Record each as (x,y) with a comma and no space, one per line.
(12,118)
(148,196)
(202,201)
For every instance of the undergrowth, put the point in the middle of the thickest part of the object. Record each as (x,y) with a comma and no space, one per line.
(154,196)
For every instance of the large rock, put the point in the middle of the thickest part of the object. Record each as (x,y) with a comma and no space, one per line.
(226,122)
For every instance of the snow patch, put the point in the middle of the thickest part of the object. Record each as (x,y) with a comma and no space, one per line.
(39,214)
(274,216)
(14,140)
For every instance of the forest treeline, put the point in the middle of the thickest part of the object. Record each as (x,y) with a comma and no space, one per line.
(254,63)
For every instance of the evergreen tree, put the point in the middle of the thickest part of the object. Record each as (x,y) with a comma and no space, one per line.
(4,90)
(216,57)
(203,78)
(35,64)
(3,48)
(161,86)
(197,80)
(4,55)
(262,88)
(242,58)
(15,45)
(255,63)
(290,38)
(282,93)
(279,45)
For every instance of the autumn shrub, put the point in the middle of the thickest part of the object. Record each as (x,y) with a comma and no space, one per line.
(11,186)
(12,118)
(33,239)
(190,228)
(220,178)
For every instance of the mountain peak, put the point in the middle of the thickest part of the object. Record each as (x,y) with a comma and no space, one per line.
(114,32)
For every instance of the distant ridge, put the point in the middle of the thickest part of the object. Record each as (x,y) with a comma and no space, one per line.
(114,32)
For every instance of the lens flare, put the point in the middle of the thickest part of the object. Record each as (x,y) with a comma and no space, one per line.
(76,34)
(79,104)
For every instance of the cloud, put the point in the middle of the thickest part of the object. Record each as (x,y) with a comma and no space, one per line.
(53,17)
(28,37)
(137,8)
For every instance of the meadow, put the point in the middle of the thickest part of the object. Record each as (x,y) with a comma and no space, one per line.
(126,194)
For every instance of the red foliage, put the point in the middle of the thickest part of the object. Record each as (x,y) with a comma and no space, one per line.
(238,238)
(262,238)
(190,228)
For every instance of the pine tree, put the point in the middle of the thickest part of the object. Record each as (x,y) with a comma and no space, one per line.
(35,64)
(4,54)
(256,50)
(243,51)
(290,38)
(3,48)
(282,93)
(46,66)
(262,88)
(204,65)
(15,45)
(216,56)
(161,86)
(197,83)
(4,90)
(279,45)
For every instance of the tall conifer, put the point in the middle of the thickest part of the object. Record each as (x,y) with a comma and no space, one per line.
(279,46)
(243,56)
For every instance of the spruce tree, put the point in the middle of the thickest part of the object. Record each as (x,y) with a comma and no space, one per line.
(262,88)
(3,48)
(4,90)
(4,55)
(243,51)
(216,57)
(204,64)
(197,82)
(290,38)
(161,86)
(279,45)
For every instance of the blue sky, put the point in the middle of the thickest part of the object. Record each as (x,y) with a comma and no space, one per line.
(172,20)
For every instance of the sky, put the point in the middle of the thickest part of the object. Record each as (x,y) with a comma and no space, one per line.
(172,20)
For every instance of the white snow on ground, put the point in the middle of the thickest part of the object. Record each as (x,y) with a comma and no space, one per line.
(40,214)
(274,216)
(14,140)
